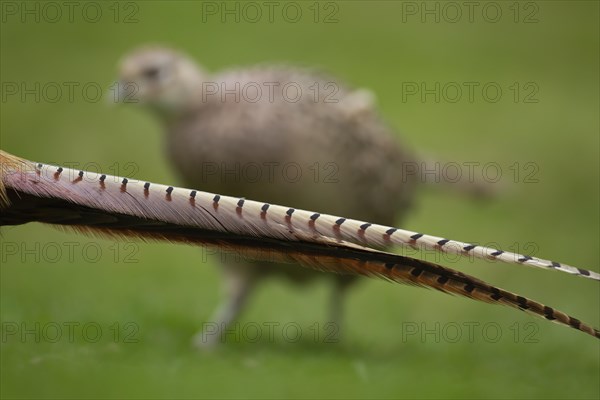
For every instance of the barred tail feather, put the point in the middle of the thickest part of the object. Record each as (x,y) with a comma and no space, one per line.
(107,205)
(264,218)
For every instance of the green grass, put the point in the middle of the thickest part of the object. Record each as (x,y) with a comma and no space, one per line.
(166,292)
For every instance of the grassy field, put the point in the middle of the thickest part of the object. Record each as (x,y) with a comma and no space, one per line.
(88,318)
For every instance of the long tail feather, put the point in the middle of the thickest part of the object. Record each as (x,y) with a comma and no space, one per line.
(108,205)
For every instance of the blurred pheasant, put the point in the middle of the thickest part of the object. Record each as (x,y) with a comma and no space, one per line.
(283,135)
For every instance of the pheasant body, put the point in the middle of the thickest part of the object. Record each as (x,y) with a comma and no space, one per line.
(311,153)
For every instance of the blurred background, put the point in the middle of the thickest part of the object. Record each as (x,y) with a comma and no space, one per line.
(134,306)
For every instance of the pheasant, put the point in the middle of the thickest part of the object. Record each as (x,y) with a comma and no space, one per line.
(117,207)
(281,134)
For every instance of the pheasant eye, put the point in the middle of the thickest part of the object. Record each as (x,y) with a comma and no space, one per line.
(151,73)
